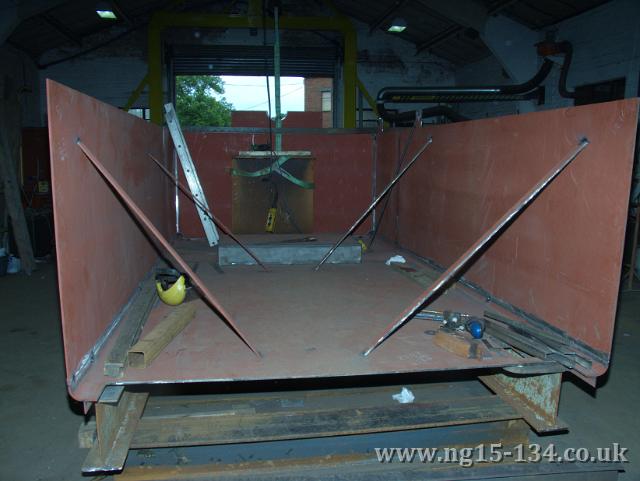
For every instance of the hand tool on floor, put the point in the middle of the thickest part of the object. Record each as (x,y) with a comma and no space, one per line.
(206,210)
(287,241)
(455,321)
(160,239)
(464,260)
(368,210)
(303,239)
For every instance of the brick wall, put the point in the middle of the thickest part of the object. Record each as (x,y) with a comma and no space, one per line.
(313,88)
(254,118)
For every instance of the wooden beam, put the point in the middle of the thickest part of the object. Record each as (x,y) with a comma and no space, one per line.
(453,30)
(121,12)
(458,343)
(438,38)
(466,13)
(9,153)
(61,28)
(397,5)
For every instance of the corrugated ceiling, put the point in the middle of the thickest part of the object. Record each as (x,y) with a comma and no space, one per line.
(68,23)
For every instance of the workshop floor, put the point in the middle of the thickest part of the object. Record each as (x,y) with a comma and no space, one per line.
(39,423)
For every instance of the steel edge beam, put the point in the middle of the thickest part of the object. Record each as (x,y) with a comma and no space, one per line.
(536,398)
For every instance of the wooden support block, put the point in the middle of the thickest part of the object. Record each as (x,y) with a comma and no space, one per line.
(459,343)
(147,349)
(132,324)
(87,434)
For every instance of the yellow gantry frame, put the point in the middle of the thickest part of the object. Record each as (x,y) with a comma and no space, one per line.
(162,20)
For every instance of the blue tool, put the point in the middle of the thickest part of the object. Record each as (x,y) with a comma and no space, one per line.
(475,326)
(456,321)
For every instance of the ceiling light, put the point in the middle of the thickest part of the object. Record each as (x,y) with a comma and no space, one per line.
(104,10)
(398,25)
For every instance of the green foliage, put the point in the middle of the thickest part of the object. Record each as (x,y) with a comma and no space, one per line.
(196,102)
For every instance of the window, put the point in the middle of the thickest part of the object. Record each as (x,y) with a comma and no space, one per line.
(142,112)
(600,92)
(326,100)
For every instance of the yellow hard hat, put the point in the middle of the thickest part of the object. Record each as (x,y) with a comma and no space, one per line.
(175,294)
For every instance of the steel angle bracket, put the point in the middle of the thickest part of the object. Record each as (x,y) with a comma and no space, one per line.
(536,398)
(116,423)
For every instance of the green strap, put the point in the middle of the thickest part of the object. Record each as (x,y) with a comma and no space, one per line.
(295,180)
(275,167)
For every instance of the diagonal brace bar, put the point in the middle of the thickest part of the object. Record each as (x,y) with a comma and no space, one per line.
(464,260)
(160,239)
(207,211)
(364,215)
(378,223)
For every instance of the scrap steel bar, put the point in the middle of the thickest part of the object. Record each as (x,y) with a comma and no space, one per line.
(155,233)
(207,211)
(470,254)
(374,203)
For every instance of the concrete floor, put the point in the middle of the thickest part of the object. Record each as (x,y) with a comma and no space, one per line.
(38,424)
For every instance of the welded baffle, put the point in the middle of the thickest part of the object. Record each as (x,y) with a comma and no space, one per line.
(176,259)
(472,253)
(191,174)
(373,205)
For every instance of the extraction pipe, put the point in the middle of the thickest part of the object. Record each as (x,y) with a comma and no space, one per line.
(567,49)
(525,91)
(408,116)
(560,48)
